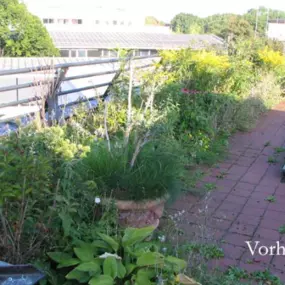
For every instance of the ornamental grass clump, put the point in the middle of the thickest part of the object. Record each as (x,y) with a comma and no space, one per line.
(155,172)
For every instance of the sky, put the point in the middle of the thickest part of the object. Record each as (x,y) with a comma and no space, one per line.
(165,10)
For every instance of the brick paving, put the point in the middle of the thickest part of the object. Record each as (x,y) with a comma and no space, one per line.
(238,209)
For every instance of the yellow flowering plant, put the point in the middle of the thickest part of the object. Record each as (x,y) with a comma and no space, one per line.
(271,58)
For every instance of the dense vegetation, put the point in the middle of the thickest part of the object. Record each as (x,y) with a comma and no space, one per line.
(227,25)
(138,144)
(21,33)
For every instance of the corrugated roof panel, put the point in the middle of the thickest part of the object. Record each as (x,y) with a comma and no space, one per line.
(131,40)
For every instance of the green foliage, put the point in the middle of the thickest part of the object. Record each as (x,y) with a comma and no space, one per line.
(282,230)
(207,251)
(127,259)
(150,20)
(258,276)
(210,186)
(156,172)
(233,276)
(272,160)
(34,174)
(218,94)
(187,24)
(271,199)
(279,149)
(228,26)
(21,33)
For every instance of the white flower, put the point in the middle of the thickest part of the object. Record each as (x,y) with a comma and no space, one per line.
(107,254)
(162,238)
(97,200)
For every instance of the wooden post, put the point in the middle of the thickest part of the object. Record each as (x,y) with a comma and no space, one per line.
(52,99)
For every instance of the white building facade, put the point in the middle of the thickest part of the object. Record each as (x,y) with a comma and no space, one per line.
(86,15)
(276,30)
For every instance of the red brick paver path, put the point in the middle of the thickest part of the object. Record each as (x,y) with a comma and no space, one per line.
(237,210)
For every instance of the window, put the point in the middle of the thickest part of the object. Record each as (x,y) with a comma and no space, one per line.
(45,21)
(136,53)
(153,52)
(143,53)
(77,21)
(97,22)
(94,53)
(81,53)
(73,53)
(115,22)
(64,53)
(113,53)
(51,21)
(105,53)
(130,23)
(60,21)
(66,21)
(122,23)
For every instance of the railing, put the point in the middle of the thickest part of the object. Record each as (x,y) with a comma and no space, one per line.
(57,76)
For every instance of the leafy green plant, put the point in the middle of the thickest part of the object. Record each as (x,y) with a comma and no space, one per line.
(282,230)
(279,149)
(271,199)
(265,276)
(272,160)
(210,186)
(37,202)
(207,251)
(121,260)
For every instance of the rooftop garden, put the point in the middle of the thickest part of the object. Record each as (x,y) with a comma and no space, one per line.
(82,200)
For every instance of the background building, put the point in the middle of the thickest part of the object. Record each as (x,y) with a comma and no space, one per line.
(276,30)
(106,44)
(86,15)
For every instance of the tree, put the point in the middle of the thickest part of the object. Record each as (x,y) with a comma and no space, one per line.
(150,20)
(186,23)
(196,28)
(236,28)
(228,26)
(216,23)
(21,33)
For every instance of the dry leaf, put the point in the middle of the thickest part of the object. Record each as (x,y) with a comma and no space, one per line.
(185,280)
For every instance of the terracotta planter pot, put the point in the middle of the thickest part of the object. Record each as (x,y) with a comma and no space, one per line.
(140,214)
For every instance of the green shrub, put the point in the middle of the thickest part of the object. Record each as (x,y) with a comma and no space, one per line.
(33,177)
(217,95)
